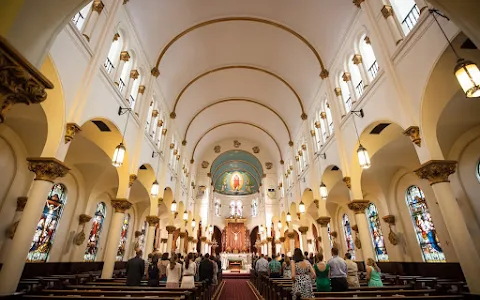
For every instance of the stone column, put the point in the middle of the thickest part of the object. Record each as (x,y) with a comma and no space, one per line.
(190,244)
(46,171)
(291,236)
(358,61)
(164,245)
(278,247)
(359,207)
(182,243)
(21,202)
(128,85)
(124,57)
(341,102)
(388,14)
(269,246)
(437,172)
(170,230)
(109,258)
(152,224)
(323,222)
(303,230)
(203,239)
(282,245)
(347,77)
(97,7)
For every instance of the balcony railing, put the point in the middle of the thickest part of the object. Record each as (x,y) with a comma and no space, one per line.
(78,20)
(330,127)
(348,104)
(131,101)
(108,66)
(121,85)
(360,88)
(373,70)
(411,19)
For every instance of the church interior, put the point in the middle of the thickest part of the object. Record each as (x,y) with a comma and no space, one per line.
(239,129)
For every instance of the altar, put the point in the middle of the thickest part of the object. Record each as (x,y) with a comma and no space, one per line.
(242,261)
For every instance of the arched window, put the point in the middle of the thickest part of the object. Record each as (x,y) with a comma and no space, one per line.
(132,99)
(407,14)
(376,233)
(357,82)
(125,76)
(317,134)
(347,230)
(94,237)
(239,209)
(149,116)
(329,118)
(113,54)
(347,97)
(254,207)
(423,224)
(232,209)
(368,57)
(47,226)
(123,238)
(80,18)
(217,207)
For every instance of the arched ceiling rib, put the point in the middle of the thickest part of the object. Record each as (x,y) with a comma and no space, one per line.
(237,100)
(173,114)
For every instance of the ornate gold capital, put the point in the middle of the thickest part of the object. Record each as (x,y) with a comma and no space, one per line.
(205,164)
(348,181)
(358,206)
(134,74)
(131,179)
(290,235)
(116,36)
(98,6)
(182,235)
(190,238)
(324,74)
(141,89)
(282,239)
(154,113)
(323,115)
(334,234)
(20,81)
(355,228)
(367,40)
(155,72)
(256,149)
(358,3)
(323,221)
(269,239)
(436,171)
(312,132)
(303,229)
(121,205)
(47,168)
(357,59)
(159,123)
(203,239)
(387,11)
(163,241)
(21,202)
(170,229)
(347,76)
(152,220)
(164,131)
(71,129)
(83,218)
(194,241)
(338,91)
(414,133)
(389,219)
(124,56)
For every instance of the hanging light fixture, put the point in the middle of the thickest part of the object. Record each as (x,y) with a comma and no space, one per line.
(301,207)
(185,216)
(279,225)
(155,188)
(289,217)
(362,153)
(466,72)
(120,150)
(323,191)
(173,207)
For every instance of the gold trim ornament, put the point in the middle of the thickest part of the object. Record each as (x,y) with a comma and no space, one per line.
(323,221)
(205,164)
(303,229)
(414,133)
(268,165)
(358,206)
(217,149)
(152,220)
(121,205)
(47,168)
(348,182)
(256,149)
(21,202)
(236,144)
(436,171)
(387,11)
(131,179)
(71,129)
(170,229)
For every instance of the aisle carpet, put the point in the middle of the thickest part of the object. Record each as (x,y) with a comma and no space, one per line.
(237,289)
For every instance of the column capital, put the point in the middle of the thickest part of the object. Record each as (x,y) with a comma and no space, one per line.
(269,239)
(121,205)
(290,235)
(131,179)
(98,6)
(357,59)
(134,74)
(182,235)
(334,234)
(138,233)
(170,229)
(190,238)
(47,168)
(389,219)
(303,230)
(20,82)
(141,89)
(323,221)
(71,129)
(436,171)
(358,206)
(414,133)
(194,240)
(358,3)
(367,40)
(83,219)
(21,202)
(116,36)
(387,11)
(338,91)
(323,115)
(203,239)
(124,56)
(347,76)
(163,241)
(324,74)
(348,181)
(277,242)
(152,220)
(282,239)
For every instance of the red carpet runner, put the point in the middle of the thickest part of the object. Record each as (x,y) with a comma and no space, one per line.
(237,289)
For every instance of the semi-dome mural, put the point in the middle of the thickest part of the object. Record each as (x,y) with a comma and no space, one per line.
(236,172)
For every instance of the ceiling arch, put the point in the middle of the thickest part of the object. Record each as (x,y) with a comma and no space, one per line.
(303,116)
(231,123)
(252,101)
(323,72)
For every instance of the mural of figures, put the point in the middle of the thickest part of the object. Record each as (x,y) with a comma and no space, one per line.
(423,224)
(376,233)
(347,230)
(236,183)
(94,237)
(47,225)
(123,238)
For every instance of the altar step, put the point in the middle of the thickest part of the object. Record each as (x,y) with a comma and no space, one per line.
(236,275)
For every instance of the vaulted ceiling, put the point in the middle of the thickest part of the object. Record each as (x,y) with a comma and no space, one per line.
(254,63)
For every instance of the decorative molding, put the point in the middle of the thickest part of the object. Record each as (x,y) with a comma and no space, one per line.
(98,6)
(124,56)
(134,74)
(155,113)
(163,241)
(152,220)
(217,149)
(159,123)
(358,206)
(121,205)
(21,202)
(323,115)
(131,179)
(324,74)
(348,182)
(387,11)
(357,59)
(323,221)
(71,129)
(256,149)
(47,168)
(347,76)
(155,72)
(205,164)
(312,132)
(236,144)
(268,165)
(141,89)
(392,236)
(436,171)
(20,81)
(338,91)
(358,3)
(414,133)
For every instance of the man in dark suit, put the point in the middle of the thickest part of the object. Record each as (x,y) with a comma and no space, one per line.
(135,269)
(206,269)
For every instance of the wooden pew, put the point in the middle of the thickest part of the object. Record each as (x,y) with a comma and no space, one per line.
(187,294)
(38,297)
(443,297)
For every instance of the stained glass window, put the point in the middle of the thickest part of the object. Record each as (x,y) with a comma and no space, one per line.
(254,207)
(94,237)
(123,238)
(141,239)
(423,224)
(376,233)
(347,230)
(44,234)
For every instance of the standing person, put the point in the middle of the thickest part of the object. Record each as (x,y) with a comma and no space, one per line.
(261,266)
(274,268)
(215,270)
(302,275)
(189,270)
(373,273)
(206,269)
(162,267)
(174,272)
(322,270)
(352,271)
(153,273)
(338,272)
(287,268)
(135,269)
(197,263)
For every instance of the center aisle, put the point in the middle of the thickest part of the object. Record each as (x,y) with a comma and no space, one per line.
(237,289)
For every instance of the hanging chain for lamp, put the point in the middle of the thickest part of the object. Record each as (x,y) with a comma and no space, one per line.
(362,153)
(120,150)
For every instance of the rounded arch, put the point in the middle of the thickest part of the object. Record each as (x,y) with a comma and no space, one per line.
(303,116)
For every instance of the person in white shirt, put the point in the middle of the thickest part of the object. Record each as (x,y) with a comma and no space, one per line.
(189,270)
(352,271)
(174,272)
(262,266)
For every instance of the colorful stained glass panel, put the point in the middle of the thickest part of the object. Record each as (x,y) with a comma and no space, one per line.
(94,237)
(347,230)
(376,233)
(123,238)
